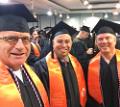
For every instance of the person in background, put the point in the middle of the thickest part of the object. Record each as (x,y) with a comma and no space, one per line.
(118,41)
(19,85)
(82,48)
(44,42)
(35,36)
(104,68)
(35,47)
(61,72)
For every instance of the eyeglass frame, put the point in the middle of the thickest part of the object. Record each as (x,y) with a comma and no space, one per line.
(14,39)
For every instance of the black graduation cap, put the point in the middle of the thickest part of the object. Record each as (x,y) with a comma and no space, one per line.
(105,26)
(47,28)
(14,17)
(85,28)
(60,28)
(34,28)
(18,10)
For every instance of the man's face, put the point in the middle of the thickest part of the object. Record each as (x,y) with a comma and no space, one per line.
(35,36)
(62,45)
(106,42)
(14,48)
(83,35)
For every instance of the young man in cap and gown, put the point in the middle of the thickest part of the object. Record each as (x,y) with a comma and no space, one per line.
(82,47)
(104,68)
(35,47)
(61,72)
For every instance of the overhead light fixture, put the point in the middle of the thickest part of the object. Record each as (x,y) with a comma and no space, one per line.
(67,16)
(4,1)
(115,12)
(117,6)
(49,13)
(55,12)
(85,2)
(106,16)
(34,15)
(89,6)
(60,15)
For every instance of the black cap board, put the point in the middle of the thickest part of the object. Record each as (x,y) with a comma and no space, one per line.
(17,10)
(85,28)
(61,28)
(15,17)
(105,26)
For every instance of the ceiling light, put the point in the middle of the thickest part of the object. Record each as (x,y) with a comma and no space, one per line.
(60,15)
(34,15)
(117,6)
(85,2)
(55,12)
(89,6)
(49,13)
(106,16)
(67,16)
(115,12)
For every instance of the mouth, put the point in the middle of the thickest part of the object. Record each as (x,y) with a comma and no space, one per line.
(104,46)
(64,50)
(18,54)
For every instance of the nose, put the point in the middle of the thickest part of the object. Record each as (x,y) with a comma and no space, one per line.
(19,44)
(63,44)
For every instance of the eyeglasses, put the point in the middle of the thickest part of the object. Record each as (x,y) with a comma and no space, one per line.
(14,39)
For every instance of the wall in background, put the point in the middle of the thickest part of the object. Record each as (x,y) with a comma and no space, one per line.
(75,20)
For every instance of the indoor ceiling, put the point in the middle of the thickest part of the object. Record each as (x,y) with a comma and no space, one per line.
(68,6)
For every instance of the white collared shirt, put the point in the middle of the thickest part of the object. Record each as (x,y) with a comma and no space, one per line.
(18,73)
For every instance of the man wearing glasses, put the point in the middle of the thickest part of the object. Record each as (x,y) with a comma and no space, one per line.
(19,85)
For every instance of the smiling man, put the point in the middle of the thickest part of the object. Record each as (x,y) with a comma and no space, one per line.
(104,68)
(19,85)
(61,72)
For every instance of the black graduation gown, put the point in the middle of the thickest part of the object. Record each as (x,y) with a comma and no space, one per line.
(27,93)
(32,57)
(45,47)
(109,82)
(69,77)
(79,48)
(109,85)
